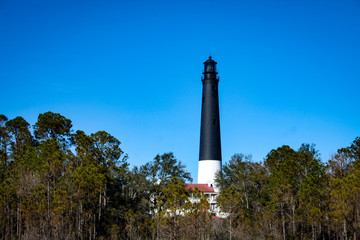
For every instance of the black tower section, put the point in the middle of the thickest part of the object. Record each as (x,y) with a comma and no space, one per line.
(210,144)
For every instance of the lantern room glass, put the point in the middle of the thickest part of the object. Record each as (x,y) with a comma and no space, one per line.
(209,67)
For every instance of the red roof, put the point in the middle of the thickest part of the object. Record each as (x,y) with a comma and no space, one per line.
(202,187)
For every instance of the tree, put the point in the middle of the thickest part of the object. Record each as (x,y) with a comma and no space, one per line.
(345,191)
(241,183)
(136,203)
(53,125)
(7,183)
(197,218)
(283,183)
(313,200)
(98,171)
(160,173)
(4,145)
(164,167)
(15,140)
(18,129)
(173,199)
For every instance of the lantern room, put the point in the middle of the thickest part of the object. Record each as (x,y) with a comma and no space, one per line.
(210,66)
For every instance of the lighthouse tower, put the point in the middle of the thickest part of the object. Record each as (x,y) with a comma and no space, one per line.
(210,143)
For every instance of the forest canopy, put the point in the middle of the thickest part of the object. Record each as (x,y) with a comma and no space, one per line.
(58,183)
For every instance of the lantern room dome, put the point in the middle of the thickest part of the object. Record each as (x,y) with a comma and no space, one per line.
(210,60)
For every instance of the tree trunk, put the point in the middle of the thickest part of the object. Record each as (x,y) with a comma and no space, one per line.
(246,197)
(99,212)
(18,221)
(293,219)
(230,229)
(80,231)
(48,211)
(313,231)
(94,226)
(283,223)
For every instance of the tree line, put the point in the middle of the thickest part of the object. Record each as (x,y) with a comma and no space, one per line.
(57,183)
(293,194)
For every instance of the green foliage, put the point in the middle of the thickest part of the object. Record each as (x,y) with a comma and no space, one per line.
(345,190)
(56,184)
(4,145)
(19,128)
(49,191)
(52,125)
(241,182)
(164,167)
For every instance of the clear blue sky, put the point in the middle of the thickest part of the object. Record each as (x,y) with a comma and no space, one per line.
(289,71)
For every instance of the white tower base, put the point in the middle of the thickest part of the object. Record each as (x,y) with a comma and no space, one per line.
(207,170)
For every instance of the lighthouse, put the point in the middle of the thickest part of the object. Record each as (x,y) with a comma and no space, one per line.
(210,142)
